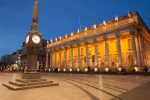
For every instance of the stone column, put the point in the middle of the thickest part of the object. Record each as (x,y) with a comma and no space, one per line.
(59,58)
(96,54)
(118,46)
(106,51)
(50,60)
(134,48)
(72,62)
(46,60)
(65,57)
(140,51)
(78,56)
(55,58)
(86,51)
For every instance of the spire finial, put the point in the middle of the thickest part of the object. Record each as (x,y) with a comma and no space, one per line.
(35,16)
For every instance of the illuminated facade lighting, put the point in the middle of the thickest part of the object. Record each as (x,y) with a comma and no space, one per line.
(106,69)
(119,69)
(136,69)
(70,69)
(51,40)
(96,69)
(86,69)
(64,69)
(49,69)
(78,69)
(60,37)
(58,69)
(116,37)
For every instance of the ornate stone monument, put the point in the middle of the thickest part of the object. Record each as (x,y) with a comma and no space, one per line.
(33,44)
(31,78)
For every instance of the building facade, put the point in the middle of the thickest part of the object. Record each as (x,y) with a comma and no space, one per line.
(119,43)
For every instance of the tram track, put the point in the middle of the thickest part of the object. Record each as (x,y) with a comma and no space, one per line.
(104,85)
(116,88)
(91,86)
(84,90)
(129,81)
(98,85)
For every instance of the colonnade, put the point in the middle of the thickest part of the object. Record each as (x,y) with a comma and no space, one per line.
(59,61)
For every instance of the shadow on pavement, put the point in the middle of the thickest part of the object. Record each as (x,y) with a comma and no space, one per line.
(141,92)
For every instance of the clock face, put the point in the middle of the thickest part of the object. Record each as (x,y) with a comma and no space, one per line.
(36,39)
(27,39)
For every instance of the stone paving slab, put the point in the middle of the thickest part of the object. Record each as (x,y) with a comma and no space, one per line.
(130,87)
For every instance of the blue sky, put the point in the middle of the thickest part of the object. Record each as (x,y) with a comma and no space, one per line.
(59,17)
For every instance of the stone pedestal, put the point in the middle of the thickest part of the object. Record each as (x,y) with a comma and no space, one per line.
(22,84)
(29,80)
(31,75)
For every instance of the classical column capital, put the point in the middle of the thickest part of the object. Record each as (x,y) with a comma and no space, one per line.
(94,39)
(105,38)
(117,34)
(139,32)
(57,49)
(86,42)
(133,31)
(71,46)
(65,46)
(78,44)
(53,49)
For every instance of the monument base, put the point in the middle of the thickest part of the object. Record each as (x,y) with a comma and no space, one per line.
(29,80)
(31,75)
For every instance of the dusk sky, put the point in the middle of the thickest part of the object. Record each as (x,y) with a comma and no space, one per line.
(60,17)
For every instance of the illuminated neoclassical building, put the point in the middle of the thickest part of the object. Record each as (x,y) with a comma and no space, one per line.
(123,42)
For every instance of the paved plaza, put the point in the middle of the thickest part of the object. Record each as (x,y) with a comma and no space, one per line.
(81,87)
